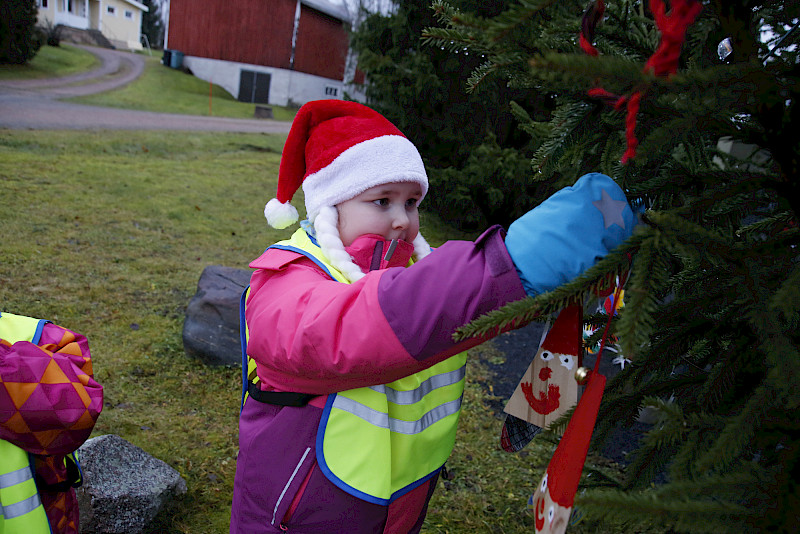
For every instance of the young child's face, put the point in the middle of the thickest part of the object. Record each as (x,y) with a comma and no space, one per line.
(389,210)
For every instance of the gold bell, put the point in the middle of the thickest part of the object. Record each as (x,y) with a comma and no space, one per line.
(582,375)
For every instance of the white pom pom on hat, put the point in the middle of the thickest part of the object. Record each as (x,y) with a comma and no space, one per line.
(280,214)
(336,150)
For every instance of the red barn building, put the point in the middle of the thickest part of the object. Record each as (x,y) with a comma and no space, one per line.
(281,52)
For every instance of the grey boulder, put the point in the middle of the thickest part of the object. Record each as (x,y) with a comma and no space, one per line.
(211,327)
(124,488)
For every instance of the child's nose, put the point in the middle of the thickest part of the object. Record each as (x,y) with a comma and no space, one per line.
(400,219)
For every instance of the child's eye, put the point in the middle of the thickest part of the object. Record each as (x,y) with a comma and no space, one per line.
(411,203)
(382,202)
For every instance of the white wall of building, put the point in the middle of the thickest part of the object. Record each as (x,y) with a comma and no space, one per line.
(287,88)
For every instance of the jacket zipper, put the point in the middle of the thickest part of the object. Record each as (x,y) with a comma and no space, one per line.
(296,500)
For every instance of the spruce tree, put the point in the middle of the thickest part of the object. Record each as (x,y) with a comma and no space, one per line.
(713,298)
(153,24)
(467,141)
(19,39)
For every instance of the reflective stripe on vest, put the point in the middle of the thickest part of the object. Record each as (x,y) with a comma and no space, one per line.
(379,442)
(375,415)
(21,509)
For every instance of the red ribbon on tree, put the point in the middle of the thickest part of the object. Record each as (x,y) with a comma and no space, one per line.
(589,23)
(663,62)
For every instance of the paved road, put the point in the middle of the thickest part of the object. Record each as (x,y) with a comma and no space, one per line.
(36,104)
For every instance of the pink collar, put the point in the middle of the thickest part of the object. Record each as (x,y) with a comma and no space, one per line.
(371,252)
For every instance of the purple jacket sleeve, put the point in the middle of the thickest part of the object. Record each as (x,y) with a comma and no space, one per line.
(313,335)
(457,283)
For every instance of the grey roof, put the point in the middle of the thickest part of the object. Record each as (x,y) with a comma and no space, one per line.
(330,7)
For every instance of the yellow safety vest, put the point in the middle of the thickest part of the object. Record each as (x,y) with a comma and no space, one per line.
(379,442)
(21,509)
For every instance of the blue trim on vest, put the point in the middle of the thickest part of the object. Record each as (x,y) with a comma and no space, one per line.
(243,343)
(312,238)
(307,255)
(329,403)
(38,334)
(344,486)
(74,455)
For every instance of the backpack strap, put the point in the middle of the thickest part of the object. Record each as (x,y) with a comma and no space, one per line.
(281,398)
(74,477)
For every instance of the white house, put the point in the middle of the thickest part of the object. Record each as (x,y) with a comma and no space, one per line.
(120,21)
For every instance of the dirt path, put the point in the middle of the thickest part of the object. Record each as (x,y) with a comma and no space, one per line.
(36,104)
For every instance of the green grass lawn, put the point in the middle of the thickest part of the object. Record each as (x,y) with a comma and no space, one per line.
(168,90)
(107,234)
(51,62)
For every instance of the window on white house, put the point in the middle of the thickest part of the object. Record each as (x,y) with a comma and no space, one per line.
(43,3)
(128,14)
(111,10)
(331,91)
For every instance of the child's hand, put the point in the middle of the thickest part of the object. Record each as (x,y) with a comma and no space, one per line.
(569,232)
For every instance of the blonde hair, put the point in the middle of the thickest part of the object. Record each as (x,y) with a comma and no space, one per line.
(326,226)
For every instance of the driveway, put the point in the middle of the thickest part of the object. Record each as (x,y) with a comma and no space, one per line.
(36,104)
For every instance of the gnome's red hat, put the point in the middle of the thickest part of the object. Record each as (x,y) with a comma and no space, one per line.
(337,150)
(566,334)
(566,465)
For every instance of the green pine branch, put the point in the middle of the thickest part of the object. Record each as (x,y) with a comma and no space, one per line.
(592,282)
(786,299)
(568,122)
(682,512)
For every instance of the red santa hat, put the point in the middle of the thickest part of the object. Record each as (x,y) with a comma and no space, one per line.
(566,465)
(566,334)
(337,150)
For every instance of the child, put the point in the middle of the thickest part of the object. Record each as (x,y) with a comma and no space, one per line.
(357,385)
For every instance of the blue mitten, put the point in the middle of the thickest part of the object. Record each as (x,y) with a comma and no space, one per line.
(569,232)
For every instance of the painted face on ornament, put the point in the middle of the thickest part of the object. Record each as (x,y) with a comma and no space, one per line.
(550,372)
(549,516)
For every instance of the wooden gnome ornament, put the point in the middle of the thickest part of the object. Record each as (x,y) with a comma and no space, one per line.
(548,388)
(552,502)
